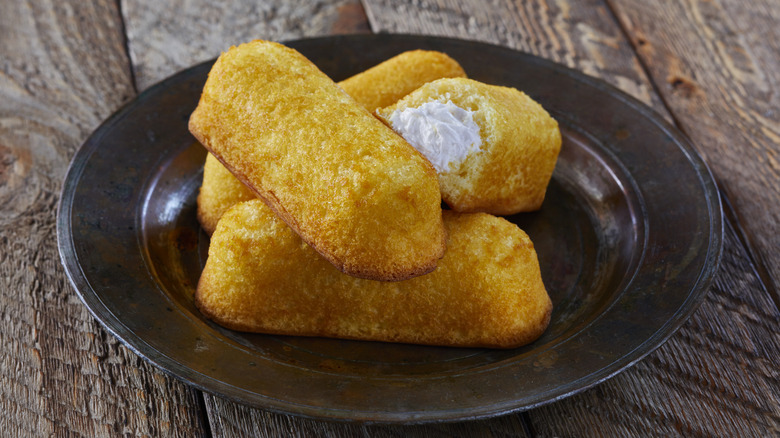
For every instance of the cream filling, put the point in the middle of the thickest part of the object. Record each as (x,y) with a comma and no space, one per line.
(443,132)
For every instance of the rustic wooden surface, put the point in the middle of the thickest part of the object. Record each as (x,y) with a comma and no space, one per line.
(64,69)
(165,37)
(711,67)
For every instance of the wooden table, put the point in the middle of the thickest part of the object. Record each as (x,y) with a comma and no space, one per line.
(711,67)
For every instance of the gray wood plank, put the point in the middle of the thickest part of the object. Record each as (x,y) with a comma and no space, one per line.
(578,34)
(235,421)
(63,70)
(164,37)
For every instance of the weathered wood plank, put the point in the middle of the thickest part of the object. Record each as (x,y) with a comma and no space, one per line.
(716,64)
(63,69)
(164,37)
(579,34)
(235,420)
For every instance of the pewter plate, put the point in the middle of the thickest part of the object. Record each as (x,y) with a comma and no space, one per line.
(629,238)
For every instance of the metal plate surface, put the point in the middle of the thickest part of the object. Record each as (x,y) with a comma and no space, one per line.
(629,238)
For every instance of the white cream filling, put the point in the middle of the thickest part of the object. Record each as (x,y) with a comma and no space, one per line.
(443,132)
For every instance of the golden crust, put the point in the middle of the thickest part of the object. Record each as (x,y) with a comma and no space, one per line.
(520,145)
(349,186)
(385,83)
(220,191)
(376,87)
(486,292)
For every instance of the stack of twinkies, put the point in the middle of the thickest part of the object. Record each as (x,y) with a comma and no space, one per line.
(323,200)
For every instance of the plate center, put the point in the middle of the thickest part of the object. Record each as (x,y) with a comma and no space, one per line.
(584,234)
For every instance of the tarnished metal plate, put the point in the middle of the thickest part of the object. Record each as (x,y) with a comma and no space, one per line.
(629,238)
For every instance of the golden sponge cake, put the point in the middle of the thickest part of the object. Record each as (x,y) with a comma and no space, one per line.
(219,191)
(486,292)
(379,86)
(349,186)
(385,83)
(494,147)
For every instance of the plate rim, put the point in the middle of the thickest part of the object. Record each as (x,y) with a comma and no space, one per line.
(99,310)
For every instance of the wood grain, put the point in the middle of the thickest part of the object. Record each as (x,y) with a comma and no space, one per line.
(717,67)
(231,420)
(164,37)
(582,35)
(64,69)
